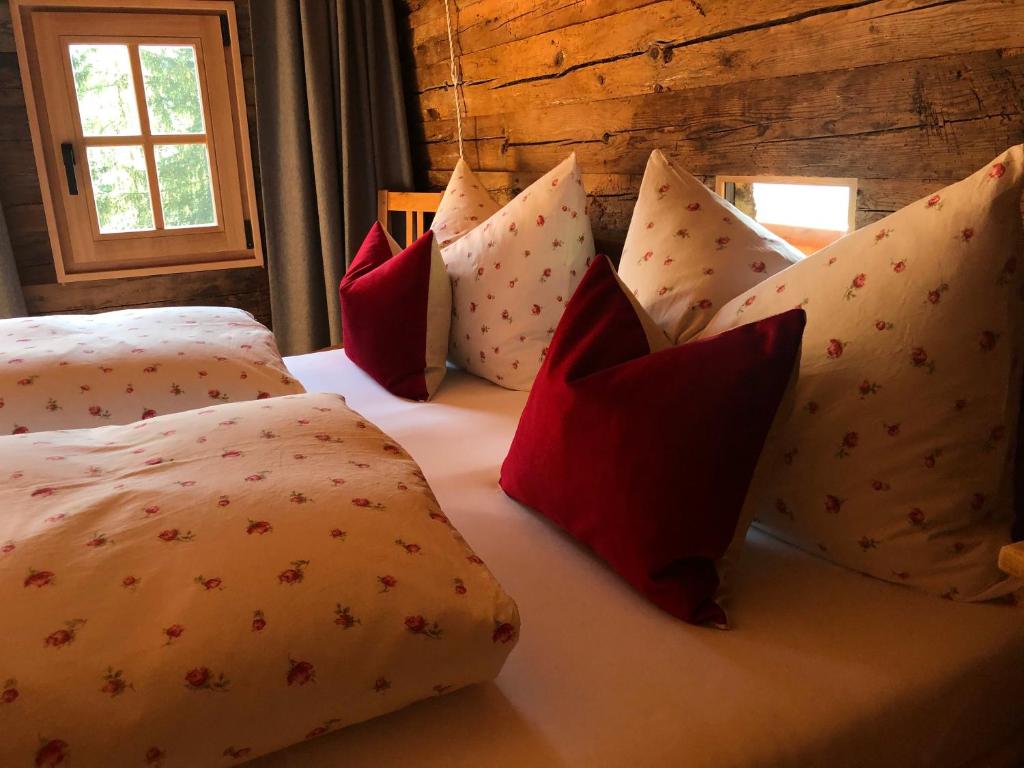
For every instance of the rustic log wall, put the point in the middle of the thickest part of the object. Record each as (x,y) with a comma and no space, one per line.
(23,208)
(905,95)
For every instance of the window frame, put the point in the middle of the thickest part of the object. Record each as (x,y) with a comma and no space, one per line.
(226,132)
(807,239)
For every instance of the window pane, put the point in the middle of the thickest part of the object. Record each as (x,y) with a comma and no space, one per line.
(186,189)
(103,85)
(120,186)
(172,88)
(817,206)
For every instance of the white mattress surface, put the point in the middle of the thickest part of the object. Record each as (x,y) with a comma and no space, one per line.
(824,667)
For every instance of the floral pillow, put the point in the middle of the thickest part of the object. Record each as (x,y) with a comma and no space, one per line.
(74,371)
(205,587)
(464,206)
(896,458)
(688,251)
(513,274)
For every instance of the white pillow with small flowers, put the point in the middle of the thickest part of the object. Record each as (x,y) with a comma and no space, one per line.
(513,274)
(205,587)
(464,205)
(896,456)
(75,371)
(688,251)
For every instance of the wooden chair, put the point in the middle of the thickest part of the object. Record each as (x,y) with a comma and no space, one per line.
(415,206)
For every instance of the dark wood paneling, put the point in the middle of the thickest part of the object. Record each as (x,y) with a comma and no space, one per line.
(23,209)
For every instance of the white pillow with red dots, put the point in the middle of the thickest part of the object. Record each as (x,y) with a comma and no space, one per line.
(688,251)
(895,454)
(464,205)
(513,274)
(76,371)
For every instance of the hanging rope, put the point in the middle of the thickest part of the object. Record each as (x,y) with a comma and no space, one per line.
(455,76)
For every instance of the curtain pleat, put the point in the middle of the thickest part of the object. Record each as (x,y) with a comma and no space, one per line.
(332,130)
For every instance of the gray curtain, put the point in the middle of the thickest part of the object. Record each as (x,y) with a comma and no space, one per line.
(332,130)
(12,301)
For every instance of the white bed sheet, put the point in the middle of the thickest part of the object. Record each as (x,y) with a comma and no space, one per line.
(823,666)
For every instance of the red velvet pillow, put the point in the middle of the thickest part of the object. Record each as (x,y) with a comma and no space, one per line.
(396,311)
(646,457)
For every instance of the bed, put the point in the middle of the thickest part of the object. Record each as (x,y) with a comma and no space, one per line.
(823,666)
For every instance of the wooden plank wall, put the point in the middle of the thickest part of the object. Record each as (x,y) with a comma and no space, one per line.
(23,209)
(905,95)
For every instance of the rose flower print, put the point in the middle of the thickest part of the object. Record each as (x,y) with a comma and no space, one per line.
(418,625)
(38,579)
(503,632)
(114,683)
(211,584)
(294,575)
(66,636)
(204,679)
(300,672)
(51,753)
(343,617)
(258,527)
(9,691)
(847,444)
(259,621)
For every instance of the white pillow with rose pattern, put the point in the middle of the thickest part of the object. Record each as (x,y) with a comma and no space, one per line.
(74,371)
(208,586)
(688,251)
(513,274)
(896,456)
(464,205)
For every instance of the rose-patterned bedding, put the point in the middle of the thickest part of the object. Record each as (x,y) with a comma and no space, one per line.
(73,371)
(204,587)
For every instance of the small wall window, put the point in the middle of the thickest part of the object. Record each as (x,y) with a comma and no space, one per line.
(809,213)
(139,130)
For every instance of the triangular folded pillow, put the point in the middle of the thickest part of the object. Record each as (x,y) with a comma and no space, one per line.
(688,251)
(896,458)
(644,451)
(464,206)
(396,311)
(512,275)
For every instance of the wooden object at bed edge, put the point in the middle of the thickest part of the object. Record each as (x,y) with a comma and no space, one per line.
(415,206)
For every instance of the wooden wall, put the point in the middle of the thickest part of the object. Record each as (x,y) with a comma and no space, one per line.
(23,209)
(905,95)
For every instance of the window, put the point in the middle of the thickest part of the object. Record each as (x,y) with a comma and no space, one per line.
(808,213)
(138,124)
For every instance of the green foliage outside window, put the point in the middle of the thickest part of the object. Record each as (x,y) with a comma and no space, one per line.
(107,106)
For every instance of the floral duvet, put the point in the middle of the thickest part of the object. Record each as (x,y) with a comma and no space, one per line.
(73,371)
(204,587)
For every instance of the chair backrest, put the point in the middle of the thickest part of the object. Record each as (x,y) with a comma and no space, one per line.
(414,207)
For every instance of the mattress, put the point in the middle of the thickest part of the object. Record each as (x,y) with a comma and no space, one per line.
(823,666)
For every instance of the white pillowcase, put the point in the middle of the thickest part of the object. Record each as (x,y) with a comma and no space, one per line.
(464,205)
(895,457)
(512,275)
(688,251)
(75,371)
